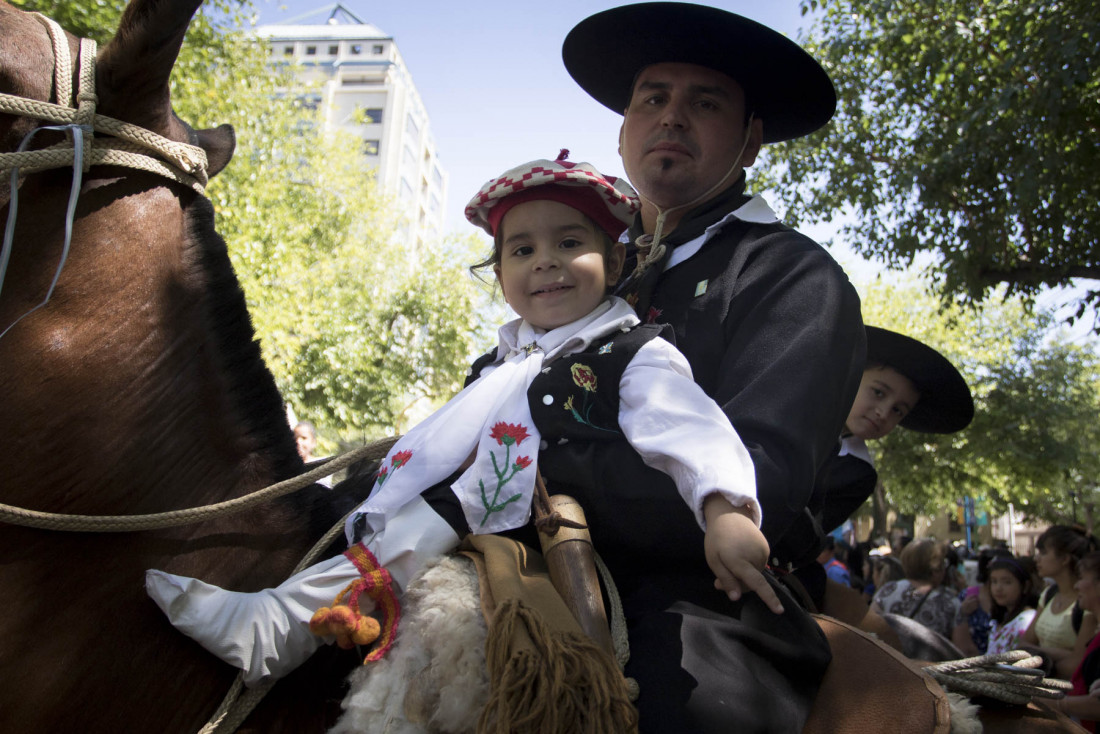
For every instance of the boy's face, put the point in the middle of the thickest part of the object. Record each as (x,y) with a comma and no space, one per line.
(553,268)
(885,397)
(305,441)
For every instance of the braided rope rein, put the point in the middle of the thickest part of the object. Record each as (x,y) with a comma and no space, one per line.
(134,523)
(1012,677)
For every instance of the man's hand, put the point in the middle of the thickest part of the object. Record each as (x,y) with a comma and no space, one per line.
(736,551)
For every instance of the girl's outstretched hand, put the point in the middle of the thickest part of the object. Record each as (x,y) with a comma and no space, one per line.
(736,551)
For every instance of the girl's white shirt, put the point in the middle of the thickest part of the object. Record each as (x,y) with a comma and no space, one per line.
(664,415)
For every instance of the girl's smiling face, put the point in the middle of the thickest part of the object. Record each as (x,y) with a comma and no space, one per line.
(554,265)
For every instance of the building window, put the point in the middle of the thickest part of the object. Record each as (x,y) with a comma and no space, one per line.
(288,50)
(311,50)
(412,128)
(437,176)
(357,48)
(370,147)
(333,50)
(378,49)
(367,115)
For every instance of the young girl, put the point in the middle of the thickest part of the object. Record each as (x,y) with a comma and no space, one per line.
(1012,586)
(971,633)
(574,367)
(1058,633)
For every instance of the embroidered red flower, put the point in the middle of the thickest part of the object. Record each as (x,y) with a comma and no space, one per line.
(523,462)
(508,434)
(653,314)
(584,377)
(400,459)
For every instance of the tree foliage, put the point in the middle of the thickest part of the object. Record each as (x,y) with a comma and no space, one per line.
(967,129)
(1034,436)
(356,327)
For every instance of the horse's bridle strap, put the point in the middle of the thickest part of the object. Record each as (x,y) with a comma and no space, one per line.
(179,162)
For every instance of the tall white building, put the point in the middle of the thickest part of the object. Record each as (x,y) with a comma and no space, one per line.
(366,89)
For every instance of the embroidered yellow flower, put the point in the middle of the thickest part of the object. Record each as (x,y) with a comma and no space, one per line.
(584,377)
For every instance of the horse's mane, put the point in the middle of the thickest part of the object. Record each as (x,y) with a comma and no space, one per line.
(256,401)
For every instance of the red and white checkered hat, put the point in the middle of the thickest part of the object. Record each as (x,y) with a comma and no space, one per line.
(608,201)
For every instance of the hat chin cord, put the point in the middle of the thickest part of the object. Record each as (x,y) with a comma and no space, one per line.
(651,245)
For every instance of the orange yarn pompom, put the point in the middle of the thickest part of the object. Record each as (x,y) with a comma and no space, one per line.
(348,626)
(366,631)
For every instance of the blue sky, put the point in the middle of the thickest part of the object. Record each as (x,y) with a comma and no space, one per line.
(491,77)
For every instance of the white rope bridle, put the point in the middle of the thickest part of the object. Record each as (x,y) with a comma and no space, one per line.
(131,146)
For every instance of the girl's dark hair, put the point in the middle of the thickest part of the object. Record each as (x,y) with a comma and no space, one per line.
(987,556)
(1024,571)
(1069,541)
(894,570)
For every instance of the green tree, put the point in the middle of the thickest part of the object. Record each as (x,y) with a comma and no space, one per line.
(1037,397)
(967,129)
(355,326)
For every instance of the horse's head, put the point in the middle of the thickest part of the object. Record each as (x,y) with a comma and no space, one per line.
(132,74)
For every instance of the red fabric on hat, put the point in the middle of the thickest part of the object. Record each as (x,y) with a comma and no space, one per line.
(585,200)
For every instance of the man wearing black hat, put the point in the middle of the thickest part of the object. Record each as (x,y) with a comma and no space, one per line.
(769,323)
(767,319)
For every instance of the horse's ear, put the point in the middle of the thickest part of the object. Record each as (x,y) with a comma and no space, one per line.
(219,143)
(134,68)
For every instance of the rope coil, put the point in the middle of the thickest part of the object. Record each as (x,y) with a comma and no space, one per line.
(1012,677)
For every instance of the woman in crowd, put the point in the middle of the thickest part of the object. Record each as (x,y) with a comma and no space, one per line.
(1059,633)
(1079,703)
(920,595)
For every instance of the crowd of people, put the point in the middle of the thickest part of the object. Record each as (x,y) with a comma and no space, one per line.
(1047,604)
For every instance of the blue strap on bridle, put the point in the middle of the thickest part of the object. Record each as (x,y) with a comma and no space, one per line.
(76,133)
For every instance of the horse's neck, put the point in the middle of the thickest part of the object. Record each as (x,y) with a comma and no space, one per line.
(122,390)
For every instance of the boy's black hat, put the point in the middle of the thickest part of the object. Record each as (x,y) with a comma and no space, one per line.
(945,404)
(784,86)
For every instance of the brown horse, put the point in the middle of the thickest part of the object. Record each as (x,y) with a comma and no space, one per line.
(138,388)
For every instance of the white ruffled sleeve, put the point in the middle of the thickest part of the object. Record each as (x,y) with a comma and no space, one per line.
(678,429)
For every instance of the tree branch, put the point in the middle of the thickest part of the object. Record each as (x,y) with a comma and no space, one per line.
(1035,275)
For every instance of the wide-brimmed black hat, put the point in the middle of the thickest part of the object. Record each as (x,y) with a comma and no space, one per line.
(945,404)
(784,85)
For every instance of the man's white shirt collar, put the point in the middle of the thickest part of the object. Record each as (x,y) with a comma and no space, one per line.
(755,211)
